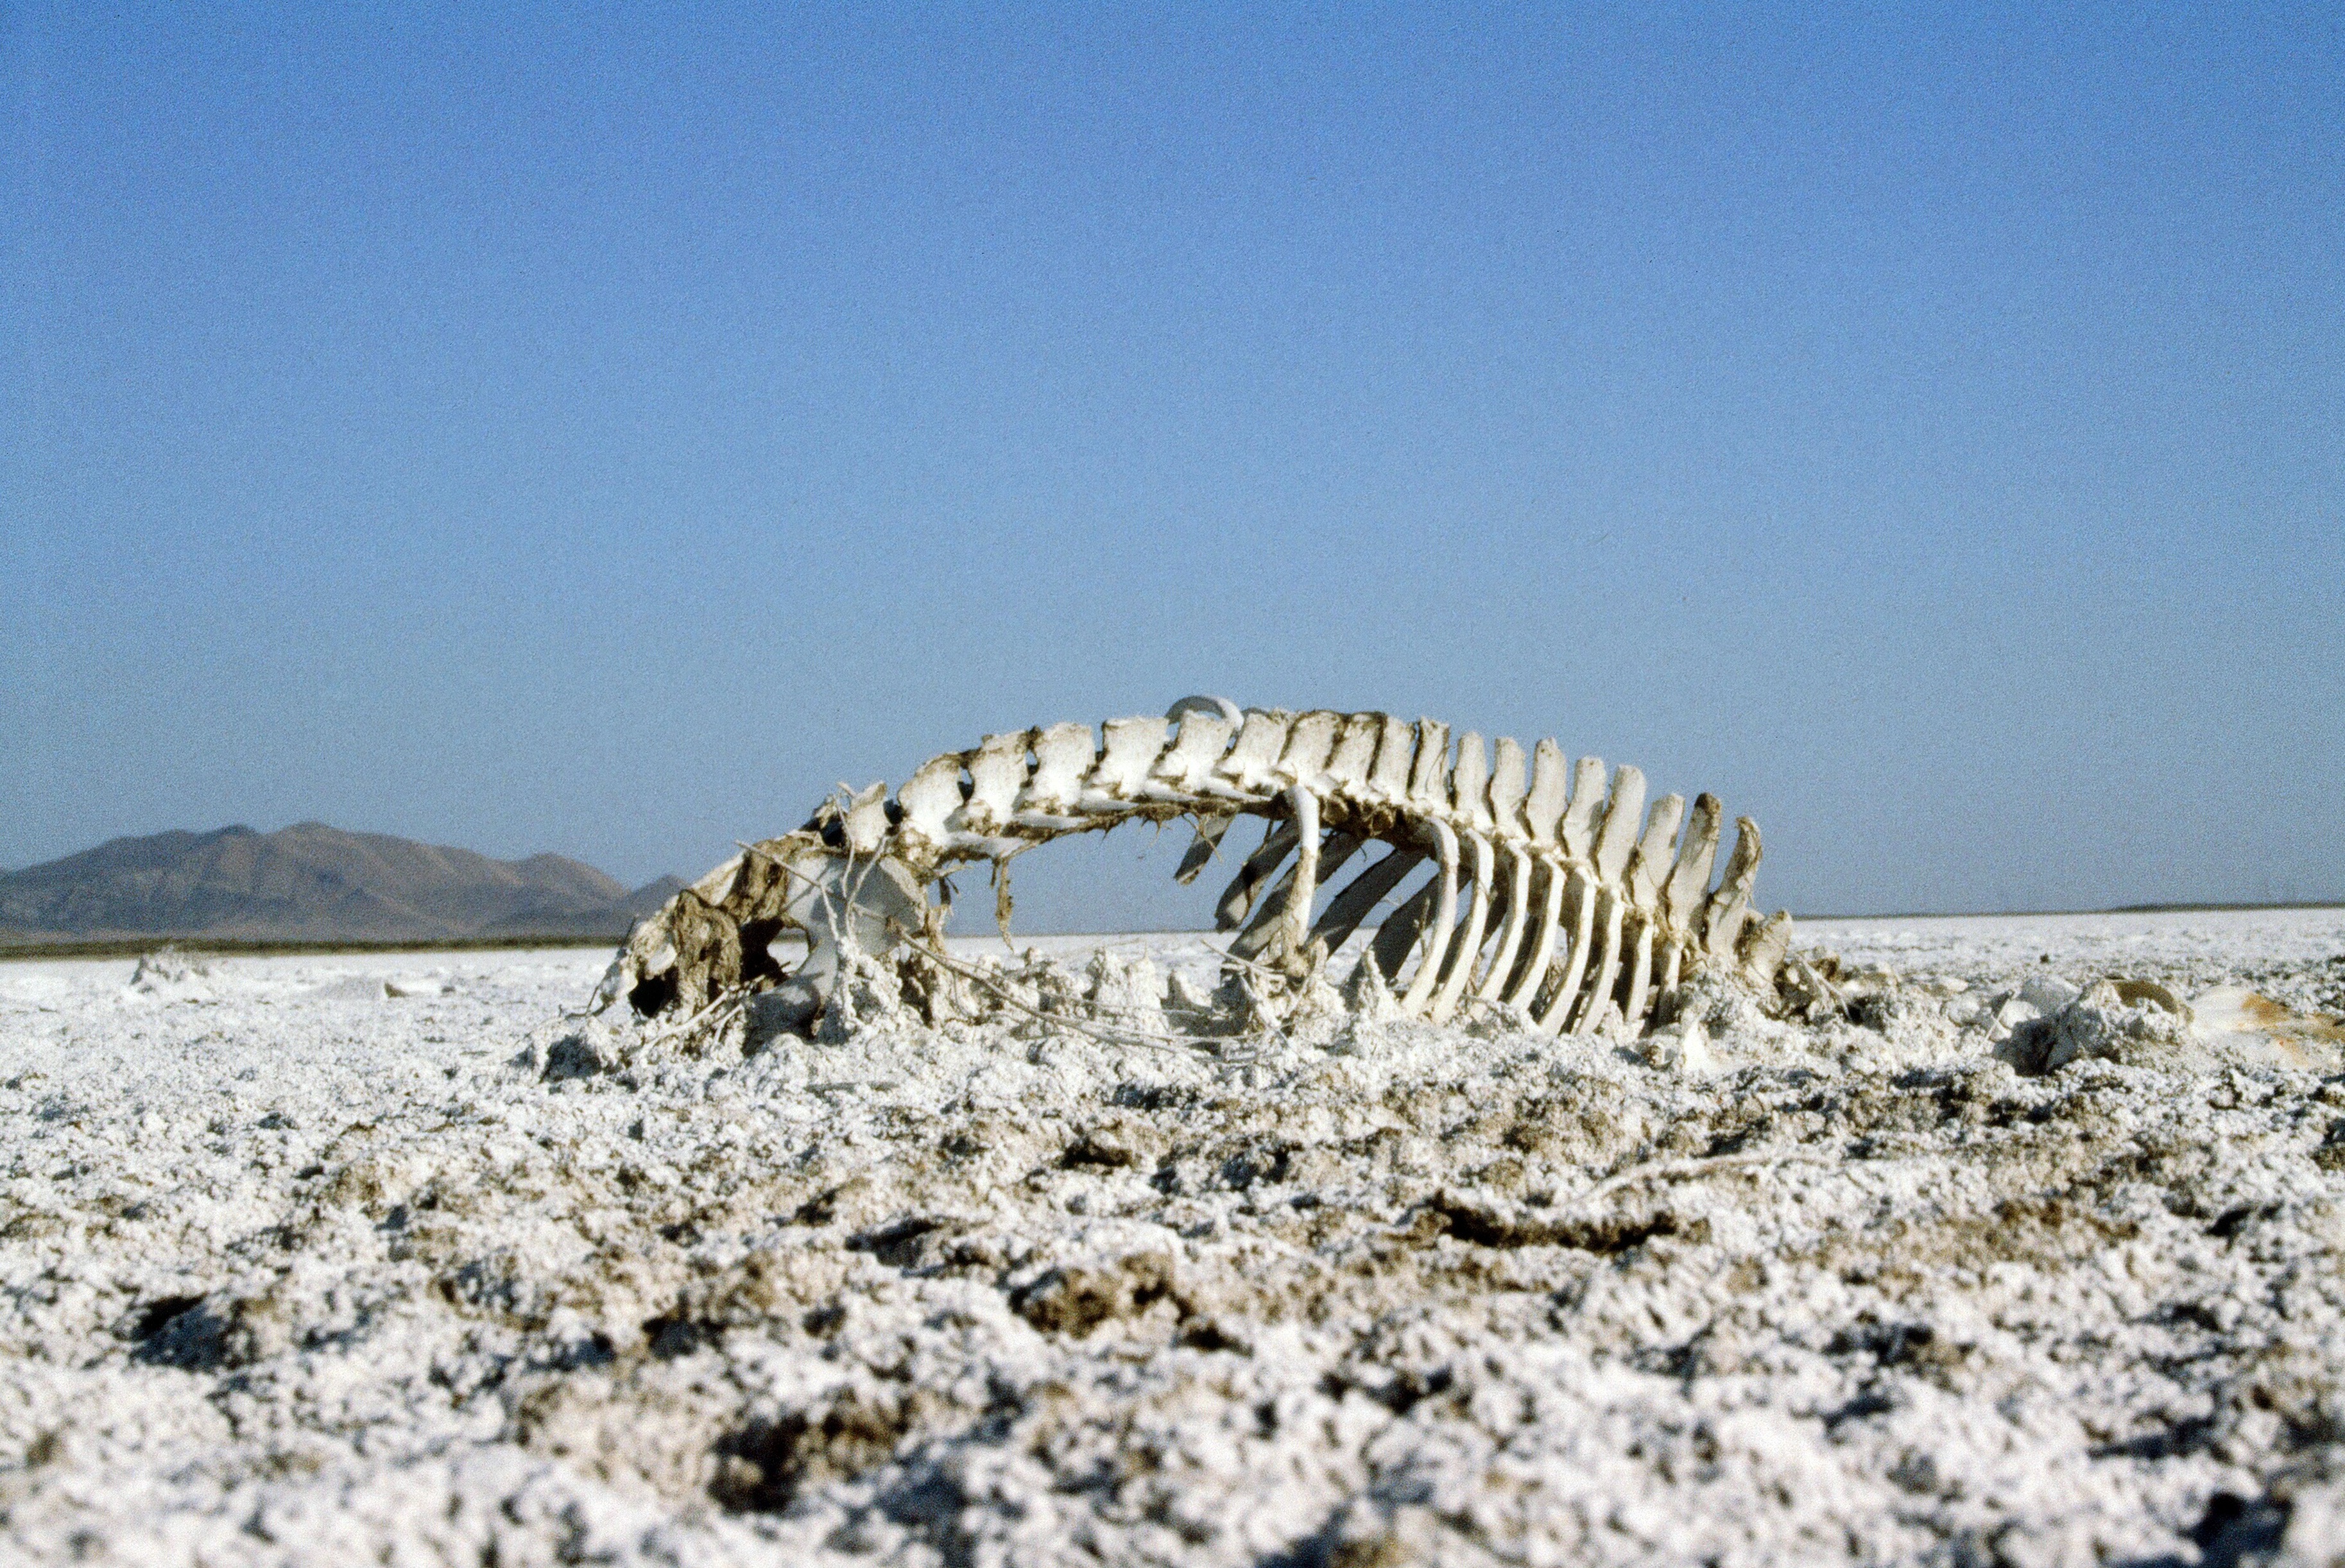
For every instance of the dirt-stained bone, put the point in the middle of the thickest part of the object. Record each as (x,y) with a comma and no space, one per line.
(1547,890)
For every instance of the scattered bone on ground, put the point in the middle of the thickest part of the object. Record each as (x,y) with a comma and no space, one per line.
(375,1260)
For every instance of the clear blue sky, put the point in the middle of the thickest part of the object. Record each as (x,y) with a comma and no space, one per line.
(604,430)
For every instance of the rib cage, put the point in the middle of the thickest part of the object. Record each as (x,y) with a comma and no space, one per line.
(1546,888)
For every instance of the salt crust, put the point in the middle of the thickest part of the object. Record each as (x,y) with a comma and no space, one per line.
(341,1261)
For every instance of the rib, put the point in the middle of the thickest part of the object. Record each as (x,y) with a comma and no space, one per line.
(1278,841)
(1468,943)
(1335,850)
(1445,917)
(1349,908)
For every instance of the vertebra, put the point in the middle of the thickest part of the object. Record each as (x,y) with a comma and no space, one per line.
(1548,891)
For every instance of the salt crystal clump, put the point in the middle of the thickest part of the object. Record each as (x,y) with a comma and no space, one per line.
(1733,1022)
(576,1048)
(869,995)
(1128,993)
(2139,1023)
(351,988)
(168,975)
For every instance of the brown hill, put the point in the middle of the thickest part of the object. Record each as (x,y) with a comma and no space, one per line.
(312,883)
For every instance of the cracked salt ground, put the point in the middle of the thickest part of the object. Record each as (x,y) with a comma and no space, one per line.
(322,1260)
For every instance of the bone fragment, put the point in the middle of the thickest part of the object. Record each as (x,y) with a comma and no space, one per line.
(1576,831)
(1605,970)
(863,909)
(1616,838)
(1765,947)
(1228,712)
(1672,963)
(1641,974)
(1656,852)
(1428,779)
(1576,837)
(1470,785)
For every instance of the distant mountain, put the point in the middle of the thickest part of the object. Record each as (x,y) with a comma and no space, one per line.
(632,906)
(312,883)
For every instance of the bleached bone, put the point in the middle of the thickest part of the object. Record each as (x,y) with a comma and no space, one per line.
(1542,812)
(1511,834)
(1576,843)
(1274,916)
(1569,911)
(1350,908)
(1615,839)
(1277,844)
(1445,917)
(1682,895)
(1649,869)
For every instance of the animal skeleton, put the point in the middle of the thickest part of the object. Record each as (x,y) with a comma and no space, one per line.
(1571,912)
